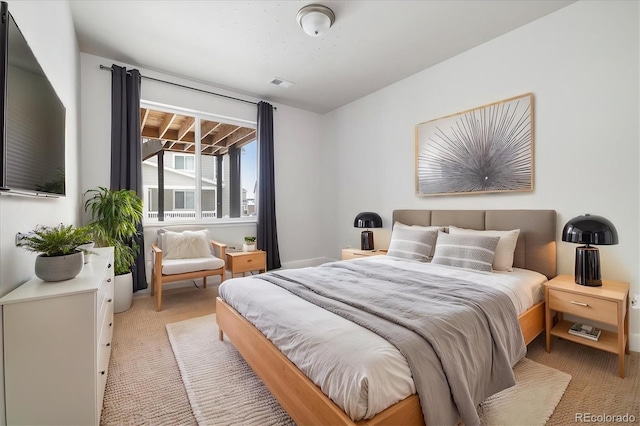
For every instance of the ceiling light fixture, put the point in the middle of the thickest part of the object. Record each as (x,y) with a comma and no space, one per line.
(315,19)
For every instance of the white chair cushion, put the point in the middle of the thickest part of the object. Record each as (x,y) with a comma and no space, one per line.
(186,244)
(182,266)
(160,232)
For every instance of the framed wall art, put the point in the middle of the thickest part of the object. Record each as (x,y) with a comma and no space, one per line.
(485,149)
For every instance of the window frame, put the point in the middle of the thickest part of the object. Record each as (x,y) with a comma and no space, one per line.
(199,220)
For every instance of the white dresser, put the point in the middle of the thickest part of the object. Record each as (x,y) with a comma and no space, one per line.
(57,343)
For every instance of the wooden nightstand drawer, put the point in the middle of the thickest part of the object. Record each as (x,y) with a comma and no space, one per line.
(247,261)
(597,309)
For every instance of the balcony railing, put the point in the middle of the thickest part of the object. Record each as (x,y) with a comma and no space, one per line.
(182,214)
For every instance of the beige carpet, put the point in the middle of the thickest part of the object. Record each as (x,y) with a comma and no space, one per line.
(223,390)
(144,385)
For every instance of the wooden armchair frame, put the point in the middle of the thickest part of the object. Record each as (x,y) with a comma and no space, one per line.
(158,278)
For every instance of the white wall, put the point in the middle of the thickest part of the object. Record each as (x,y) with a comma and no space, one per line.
(299,193)
(582,65)
(48,29)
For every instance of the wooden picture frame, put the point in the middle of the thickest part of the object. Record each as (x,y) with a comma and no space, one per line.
(482,150)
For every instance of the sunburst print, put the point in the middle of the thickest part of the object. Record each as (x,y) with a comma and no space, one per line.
(486,149)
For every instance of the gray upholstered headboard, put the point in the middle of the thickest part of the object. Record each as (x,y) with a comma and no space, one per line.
(536,248)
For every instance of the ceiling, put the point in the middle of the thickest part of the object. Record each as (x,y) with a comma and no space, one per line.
(244,45)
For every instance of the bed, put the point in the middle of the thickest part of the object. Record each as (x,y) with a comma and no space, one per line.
(305,401)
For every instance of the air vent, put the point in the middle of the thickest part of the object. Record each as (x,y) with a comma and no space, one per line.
(282,82)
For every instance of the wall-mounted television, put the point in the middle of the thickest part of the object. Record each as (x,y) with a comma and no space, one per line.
(32,119)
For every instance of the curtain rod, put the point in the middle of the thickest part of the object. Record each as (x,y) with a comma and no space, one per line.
(102,67)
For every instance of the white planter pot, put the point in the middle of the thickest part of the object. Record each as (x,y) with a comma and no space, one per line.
(122,292)
(248,247)
(59,268)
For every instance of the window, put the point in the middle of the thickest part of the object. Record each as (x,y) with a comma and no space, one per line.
(184,162)
(196,166)
(184,200)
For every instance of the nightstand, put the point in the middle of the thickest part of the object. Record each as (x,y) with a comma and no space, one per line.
(246,261)
(350,253)
(607,304)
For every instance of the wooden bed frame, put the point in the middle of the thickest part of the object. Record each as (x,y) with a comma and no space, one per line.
(306,403)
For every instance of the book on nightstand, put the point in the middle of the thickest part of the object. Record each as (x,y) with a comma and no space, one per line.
(586,331)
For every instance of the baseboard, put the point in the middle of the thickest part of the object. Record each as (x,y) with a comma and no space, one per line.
(634,342)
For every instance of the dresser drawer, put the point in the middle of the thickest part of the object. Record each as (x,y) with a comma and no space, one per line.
(584,306)
(105,292)
(104,348)
(249,262)
(104,352)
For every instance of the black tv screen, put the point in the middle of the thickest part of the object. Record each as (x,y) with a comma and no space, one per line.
(33,119)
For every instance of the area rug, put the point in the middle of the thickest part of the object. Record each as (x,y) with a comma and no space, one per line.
(223,390)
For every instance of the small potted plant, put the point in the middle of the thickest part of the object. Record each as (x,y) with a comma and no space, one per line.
(61,257)
(249,244)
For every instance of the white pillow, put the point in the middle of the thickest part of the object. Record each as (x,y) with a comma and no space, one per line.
(413,242)
(185,244)
(503,259)
(465,251)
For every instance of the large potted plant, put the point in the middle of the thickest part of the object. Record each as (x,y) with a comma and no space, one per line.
(115,215)
(61,257)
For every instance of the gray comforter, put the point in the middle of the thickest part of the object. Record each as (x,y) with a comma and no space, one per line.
(460,341)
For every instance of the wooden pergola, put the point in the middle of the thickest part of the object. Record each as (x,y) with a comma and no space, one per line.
(176,132)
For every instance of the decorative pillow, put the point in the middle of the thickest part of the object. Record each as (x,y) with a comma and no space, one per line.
(186,244)
(465,251)
(503,259)
(412,242)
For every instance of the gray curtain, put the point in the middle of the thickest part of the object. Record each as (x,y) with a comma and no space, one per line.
(267,229)
(126,148)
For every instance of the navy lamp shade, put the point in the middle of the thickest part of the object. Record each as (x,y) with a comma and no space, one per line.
(589,229)
(367,220)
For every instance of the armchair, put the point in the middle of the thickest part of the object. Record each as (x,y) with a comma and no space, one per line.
(185,255)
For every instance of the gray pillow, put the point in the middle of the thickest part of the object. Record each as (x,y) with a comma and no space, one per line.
(465,251)
(413,244)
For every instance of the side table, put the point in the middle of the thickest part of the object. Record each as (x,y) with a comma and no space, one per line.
(241,262)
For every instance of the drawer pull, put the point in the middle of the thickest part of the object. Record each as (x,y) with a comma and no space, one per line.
(110,324)
(108,344)
(109,300)
(573,302)
(250,260)
(108,266)
(109,280)
(102,372)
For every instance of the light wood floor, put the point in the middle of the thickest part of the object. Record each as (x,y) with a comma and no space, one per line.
(144,385)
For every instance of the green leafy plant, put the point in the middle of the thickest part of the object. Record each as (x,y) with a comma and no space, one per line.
(57,240)
(249,240)
(115,215)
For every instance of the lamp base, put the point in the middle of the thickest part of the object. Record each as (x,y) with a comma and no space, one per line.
(588,266)
(366,240)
